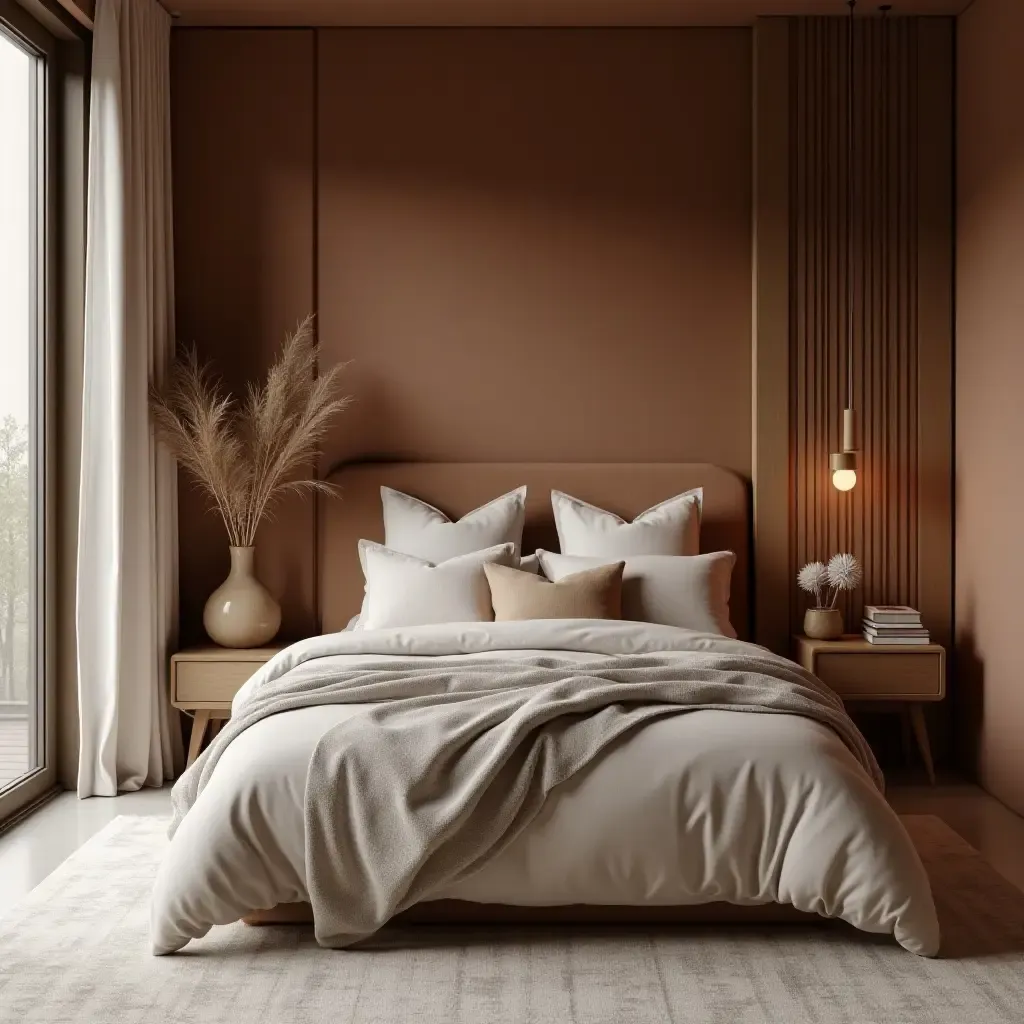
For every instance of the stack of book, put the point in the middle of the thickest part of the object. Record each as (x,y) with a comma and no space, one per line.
(893,624)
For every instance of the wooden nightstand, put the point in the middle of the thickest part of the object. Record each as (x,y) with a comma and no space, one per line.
(205,679)
(863,673)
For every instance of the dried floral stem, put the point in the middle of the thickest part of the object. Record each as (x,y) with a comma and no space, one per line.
(843,572)
(244,456)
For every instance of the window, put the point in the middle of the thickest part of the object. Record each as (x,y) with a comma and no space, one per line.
(24,752)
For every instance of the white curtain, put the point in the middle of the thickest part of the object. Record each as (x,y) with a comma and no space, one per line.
(127,534)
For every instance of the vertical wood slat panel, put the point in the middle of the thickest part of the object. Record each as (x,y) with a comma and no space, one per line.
(878,520)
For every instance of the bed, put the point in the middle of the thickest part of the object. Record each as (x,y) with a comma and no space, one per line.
(673,813)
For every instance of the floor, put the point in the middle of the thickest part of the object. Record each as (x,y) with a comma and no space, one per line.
(32,849)
(988,825)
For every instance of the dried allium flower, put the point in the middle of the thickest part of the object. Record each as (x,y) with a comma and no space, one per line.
(812,577)
(844,572)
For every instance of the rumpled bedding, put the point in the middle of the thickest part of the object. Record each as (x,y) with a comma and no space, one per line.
(541,762)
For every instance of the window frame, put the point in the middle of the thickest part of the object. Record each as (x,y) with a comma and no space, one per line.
(25,31)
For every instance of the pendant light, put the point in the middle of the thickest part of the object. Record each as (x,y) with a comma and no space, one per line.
(844,463)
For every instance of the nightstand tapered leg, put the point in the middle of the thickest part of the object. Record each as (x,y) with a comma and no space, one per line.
(920,727)
(199,724)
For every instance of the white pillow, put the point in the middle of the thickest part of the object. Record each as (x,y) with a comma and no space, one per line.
(530,563)
(669,528)
(691,591)
(415,528)
(402,590)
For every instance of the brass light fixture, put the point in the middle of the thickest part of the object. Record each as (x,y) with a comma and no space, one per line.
(843,464)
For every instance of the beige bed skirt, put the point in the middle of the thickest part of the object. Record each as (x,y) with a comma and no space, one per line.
(463,912)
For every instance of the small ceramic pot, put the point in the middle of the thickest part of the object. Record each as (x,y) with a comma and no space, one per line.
(823,623)
(241,612)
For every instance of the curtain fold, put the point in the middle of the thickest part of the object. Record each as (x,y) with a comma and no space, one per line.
(127,535)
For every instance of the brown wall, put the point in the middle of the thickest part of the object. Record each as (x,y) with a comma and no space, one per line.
(989,379)
(580,230)
(244,173)
(532,245)
(537,245)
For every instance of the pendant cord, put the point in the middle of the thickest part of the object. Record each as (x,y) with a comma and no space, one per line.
(849,208)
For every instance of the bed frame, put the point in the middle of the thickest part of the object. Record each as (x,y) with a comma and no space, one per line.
(457,488)
(461,912)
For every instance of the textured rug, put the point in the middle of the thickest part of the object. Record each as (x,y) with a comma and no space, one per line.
(76,949)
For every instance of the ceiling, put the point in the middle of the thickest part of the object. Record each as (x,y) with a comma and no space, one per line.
(522,12)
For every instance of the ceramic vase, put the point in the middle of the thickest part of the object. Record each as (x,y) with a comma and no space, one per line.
(241,612)
(823,623)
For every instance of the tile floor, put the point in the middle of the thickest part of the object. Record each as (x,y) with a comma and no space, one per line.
(34,847)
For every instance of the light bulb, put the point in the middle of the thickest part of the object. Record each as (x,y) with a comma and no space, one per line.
(844,479)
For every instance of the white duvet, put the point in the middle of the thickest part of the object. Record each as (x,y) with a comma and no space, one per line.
(698,807)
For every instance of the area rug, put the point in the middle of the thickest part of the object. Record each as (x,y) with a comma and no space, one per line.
(76,949)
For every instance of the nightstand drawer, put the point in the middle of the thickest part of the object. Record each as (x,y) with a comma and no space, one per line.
(883,675)
(204,680)
(210,682)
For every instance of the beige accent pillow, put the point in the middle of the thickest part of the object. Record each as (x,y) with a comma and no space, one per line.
(592,594)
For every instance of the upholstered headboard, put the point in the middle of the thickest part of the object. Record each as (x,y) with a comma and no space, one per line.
(458,487)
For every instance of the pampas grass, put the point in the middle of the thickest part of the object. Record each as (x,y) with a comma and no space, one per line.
(245,455)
